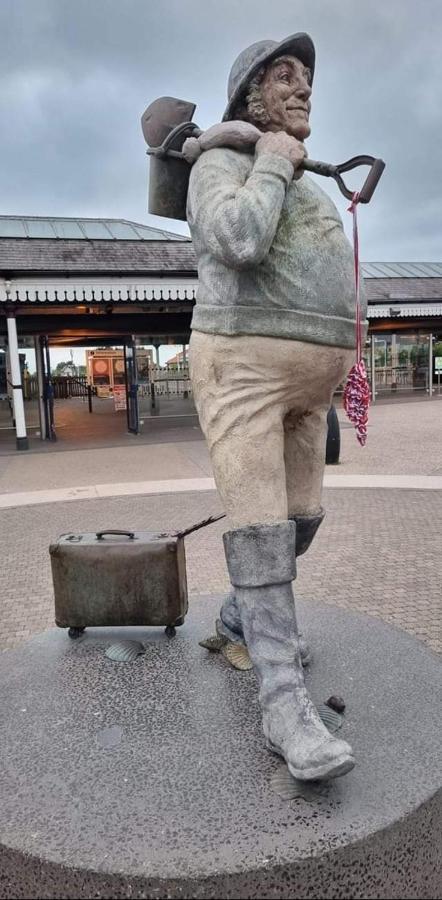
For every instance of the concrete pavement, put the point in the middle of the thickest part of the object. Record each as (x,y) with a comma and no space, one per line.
(404,438)
(379,550)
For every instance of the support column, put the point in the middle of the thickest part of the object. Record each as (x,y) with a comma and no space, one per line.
(132,411)
(157,354)
(430,368)
(49,391)
(41,387)
(394,362)
(185,391)
(373,373)
(9,384)
(17,390)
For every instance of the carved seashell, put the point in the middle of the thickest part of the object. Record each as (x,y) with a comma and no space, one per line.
(213,643)
(237,655)
(288,788)
(331,719)
(124,651)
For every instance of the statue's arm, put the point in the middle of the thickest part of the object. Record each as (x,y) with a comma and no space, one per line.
(235,219)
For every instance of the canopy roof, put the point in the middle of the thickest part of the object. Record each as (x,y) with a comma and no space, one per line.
(82,229)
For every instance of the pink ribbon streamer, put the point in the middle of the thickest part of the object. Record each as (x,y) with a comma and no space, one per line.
(357,390)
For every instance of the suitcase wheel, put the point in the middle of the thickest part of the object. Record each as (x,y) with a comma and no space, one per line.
(170,631)
(75,632)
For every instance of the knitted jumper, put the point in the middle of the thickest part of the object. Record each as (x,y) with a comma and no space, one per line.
(273,258)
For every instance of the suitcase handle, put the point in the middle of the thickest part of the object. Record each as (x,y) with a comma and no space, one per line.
(129,534)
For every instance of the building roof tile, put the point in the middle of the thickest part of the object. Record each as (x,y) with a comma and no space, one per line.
(44,255)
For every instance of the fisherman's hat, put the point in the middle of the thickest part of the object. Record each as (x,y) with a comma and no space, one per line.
(260,54)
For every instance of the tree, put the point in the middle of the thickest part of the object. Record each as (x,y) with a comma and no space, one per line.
(65,368)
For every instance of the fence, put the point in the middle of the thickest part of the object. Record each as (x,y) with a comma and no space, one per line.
(169,381)
(401,377)
(394,379)
(64,386)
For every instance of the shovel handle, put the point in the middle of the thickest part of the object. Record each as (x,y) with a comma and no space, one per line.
(377,166)
(370,184)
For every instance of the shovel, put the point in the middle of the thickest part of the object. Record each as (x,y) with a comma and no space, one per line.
(167,124)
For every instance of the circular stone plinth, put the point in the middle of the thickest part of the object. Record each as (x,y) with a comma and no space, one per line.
(151,779)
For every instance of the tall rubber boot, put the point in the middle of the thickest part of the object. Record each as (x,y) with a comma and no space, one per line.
(229,624)
(261,564)
(306,528)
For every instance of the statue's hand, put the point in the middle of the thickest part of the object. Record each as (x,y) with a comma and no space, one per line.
(282,144)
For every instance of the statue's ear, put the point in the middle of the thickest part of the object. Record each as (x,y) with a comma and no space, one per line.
(240,113)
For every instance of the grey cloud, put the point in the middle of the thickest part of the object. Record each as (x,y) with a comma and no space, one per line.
(76,76)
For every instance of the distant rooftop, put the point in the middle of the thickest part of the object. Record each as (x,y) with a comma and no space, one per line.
(82,229)
(402,270)
(53,244)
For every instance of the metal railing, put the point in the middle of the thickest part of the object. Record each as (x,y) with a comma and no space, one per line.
(397,378)
(63,386)
(169,381)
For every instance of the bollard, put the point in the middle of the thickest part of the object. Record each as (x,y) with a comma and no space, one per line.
(154,401)
(333,446)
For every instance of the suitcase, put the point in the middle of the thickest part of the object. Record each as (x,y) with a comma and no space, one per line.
(119,578)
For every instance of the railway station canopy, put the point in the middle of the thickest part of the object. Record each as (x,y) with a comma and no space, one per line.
(85,281)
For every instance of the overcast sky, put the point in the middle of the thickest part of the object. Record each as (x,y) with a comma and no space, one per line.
(76,76)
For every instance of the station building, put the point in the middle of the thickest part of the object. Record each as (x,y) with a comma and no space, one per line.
(111,283)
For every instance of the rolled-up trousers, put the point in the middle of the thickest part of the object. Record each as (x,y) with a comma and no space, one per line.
(262,404)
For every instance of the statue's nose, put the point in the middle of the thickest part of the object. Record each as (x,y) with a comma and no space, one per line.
(303,90)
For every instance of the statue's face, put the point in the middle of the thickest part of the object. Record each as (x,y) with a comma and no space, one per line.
(285,91)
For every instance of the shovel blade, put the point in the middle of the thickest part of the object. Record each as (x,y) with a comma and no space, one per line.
(162,116)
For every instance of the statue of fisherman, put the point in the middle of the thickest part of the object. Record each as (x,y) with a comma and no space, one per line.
(273,334)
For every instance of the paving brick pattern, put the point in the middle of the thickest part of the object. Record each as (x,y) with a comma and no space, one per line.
(404,438)
(378,552)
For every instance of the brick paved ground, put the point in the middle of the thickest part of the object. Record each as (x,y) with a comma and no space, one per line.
(378,552)
(403,438)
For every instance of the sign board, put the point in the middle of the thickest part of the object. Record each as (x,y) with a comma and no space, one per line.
(118,365)
(120,400)
(438,363)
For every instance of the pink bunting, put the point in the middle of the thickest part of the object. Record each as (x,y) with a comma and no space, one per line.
(357,390)
(357,400)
